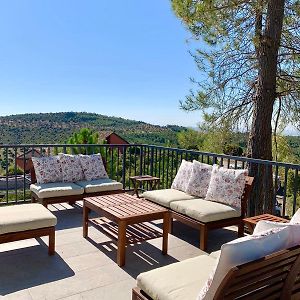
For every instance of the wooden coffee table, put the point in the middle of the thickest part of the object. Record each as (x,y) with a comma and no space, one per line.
(126,212)
(251,222)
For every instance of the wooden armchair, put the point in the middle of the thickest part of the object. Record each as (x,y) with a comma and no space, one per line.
(275,276)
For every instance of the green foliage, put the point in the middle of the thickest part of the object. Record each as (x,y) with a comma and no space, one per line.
(84,136)
(231,36)
(282,150)
(191,139)
(14,171)
(56,128)
(232,149)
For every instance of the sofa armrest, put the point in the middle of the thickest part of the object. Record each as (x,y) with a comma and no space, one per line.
(246,194)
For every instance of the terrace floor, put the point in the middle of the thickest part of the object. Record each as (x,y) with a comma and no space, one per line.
(87,269)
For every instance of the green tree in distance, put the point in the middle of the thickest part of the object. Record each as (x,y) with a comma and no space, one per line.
(250,56)
(85,136)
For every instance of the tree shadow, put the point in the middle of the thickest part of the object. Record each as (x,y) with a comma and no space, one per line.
(140,257)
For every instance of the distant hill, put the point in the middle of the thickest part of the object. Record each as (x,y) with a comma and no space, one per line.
(58,127)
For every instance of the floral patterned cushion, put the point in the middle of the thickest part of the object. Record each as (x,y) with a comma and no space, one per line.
(226,186)
(71,168)
(47,169)
(93,167)
(199,180)
(182,177)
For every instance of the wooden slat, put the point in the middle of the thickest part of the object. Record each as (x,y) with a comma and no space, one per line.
(134,233)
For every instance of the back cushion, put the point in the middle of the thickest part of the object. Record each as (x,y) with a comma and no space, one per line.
(243,250)
(47,169)
(294,230)
(226,186)
(182,177)
(199,180)
(296,217)
(93,167)
(71,167)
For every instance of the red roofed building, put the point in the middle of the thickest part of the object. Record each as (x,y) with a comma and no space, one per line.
(113,138)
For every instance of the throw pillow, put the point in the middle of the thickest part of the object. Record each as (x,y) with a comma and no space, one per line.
(71,167)
(93,167)
(47,169)
(241,251)
(182,177)
(294,230)
(296,217)
(226,186)
(199,180)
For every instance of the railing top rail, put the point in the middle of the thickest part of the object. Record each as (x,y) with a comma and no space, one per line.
(209,154)
(239,158)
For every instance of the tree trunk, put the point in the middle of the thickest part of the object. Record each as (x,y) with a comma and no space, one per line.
(260,139)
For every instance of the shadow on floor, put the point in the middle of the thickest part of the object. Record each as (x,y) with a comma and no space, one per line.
(68,217)
(141,257)
(29,267)
(216,237)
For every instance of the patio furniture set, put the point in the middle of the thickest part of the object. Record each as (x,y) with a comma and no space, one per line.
(264,265)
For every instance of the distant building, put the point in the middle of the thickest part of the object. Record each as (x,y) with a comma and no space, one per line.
(113,138)
(28,163)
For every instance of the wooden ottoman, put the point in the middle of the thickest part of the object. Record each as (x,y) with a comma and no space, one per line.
(26,221)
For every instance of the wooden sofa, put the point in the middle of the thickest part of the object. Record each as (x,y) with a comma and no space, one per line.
(59,192)
(275,276)
(196,213)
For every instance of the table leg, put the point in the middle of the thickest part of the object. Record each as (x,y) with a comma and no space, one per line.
(166,230)
(121,243)
(135,188)
(85,220)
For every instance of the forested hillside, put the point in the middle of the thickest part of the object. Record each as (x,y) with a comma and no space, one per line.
(58,127)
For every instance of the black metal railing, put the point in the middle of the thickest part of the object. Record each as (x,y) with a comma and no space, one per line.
(123,161)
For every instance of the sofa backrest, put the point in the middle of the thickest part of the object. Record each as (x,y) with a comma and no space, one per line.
(275,276)
(33,175)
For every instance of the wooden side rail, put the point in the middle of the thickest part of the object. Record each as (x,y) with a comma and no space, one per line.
(30,234)
(274,276)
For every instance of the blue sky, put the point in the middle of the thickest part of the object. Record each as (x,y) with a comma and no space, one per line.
(120,58)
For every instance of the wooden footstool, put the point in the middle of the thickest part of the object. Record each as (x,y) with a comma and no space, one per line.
(251,222)
(26,221)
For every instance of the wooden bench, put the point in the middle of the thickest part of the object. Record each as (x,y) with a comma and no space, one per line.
(26,221)
(275,276)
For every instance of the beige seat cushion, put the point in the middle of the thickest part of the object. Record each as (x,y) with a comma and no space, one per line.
(180,281)
(215,254)
(23,217)
(100,185)
(56,189)
(165,197)
(205,211)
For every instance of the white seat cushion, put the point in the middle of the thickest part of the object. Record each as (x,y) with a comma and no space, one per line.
(100,185)
(23,217)
(166,196)
(56,189)
(180,281)
(205,211)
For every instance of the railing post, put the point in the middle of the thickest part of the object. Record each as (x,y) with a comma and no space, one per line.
(151,160)
(141,160)
(124,168)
